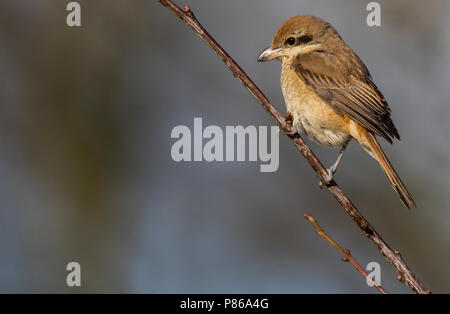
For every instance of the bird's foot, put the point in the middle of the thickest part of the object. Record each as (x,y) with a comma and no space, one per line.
(332,170)
(288,117)
(290,128)
(330,176)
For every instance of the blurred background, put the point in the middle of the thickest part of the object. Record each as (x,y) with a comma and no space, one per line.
(86,173)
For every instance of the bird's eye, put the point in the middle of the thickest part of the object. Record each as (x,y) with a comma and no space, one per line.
(290,41)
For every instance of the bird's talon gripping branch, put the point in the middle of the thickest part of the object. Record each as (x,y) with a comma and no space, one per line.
(288,118)
(290,128)
(330,171)
(330,177)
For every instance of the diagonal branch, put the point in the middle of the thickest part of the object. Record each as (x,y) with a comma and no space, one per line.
(346,253)
(405,274)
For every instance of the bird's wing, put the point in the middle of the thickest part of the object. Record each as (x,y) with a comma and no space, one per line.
(350,91)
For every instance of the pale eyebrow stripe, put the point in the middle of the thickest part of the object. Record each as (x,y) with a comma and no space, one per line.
(311,48)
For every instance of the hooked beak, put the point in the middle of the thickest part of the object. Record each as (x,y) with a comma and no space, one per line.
(269,54)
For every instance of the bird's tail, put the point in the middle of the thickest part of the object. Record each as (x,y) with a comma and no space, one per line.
(393,177)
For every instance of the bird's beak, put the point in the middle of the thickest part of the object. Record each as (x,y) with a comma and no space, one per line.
(270,54)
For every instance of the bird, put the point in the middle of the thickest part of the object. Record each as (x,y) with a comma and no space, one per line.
(330,94)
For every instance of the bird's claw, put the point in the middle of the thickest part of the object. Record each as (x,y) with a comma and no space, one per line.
(291,131)
(330,177)
(290,128)
(288,117)
(331,172)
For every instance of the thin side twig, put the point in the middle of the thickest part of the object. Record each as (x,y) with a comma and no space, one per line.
(346,253)
(406,275)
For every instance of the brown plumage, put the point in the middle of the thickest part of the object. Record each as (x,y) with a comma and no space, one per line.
(330,93)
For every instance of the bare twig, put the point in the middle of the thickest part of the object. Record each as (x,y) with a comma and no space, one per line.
(346,253)
(407,276)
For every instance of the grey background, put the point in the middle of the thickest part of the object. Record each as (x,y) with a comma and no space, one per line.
(86,173)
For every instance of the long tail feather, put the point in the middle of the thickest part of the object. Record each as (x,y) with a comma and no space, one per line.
(395,180)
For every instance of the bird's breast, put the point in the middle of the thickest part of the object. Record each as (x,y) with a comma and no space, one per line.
(311,113)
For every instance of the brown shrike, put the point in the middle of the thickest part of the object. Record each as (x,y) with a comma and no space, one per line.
(329,92)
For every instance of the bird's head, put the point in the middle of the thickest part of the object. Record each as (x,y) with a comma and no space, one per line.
(299,35)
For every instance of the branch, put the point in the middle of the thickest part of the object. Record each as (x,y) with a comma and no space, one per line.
(406,275)
(346,253)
